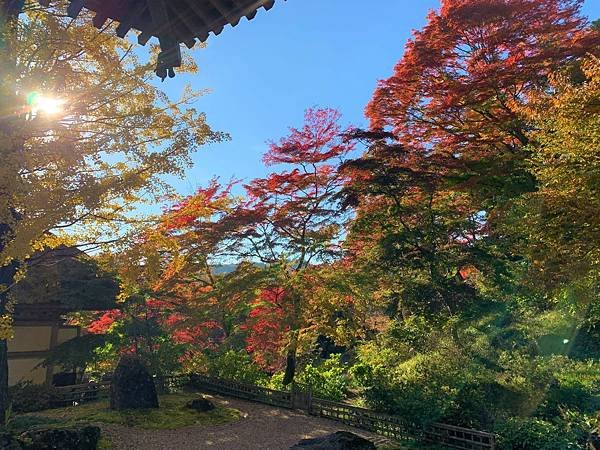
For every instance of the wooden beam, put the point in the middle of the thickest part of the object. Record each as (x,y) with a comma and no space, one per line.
(99,20)
(144,37)
(74,8)
(33,354)
(202,35)
(248,10)
(53,342)
(224,11)
(191,26)
(33,323)
(125,24)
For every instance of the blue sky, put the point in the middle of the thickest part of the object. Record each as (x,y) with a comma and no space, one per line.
(301,53)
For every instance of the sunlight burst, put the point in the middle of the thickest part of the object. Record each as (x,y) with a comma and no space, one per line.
(45,104)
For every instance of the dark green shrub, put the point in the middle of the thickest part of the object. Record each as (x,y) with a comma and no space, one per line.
(27,397)
(76,353)
(73,438)
(569,396)
(535,434)
(422,389)
(9,441)
(472,407)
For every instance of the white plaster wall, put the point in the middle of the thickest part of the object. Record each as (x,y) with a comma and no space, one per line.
(24,370)
(64,334)
(28,339)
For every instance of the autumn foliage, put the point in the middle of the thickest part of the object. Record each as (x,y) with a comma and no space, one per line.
(453,92)
(267,328)
(448,253)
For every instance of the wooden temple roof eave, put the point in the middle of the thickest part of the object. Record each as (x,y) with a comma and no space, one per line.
(172,21)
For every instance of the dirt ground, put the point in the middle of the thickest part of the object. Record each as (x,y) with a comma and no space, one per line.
(262,427)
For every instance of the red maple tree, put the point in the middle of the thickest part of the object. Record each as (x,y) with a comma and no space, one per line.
(288,221)
(300,222)
(453,90)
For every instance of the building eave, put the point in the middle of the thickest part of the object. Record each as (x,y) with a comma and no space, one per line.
(173,22)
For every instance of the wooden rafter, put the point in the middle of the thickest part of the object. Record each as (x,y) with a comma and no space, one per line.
(171,21)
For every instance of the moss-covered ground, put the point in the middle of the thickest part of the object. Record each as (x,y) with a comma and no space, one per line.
(172,414)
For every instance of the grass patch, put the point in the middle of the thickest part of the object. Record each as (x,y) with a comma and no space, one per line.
(18,424)
(172,414)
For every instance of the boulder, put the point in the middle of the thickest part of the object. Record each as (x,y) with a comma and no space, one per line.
(340,440)
(65,438)
(200,404)
(132,387)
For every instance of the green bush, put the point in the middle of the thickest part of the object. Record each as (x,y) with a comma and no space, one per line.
(535,434)
(27,397)
(423,389)
(327,380)
(276,382)
(235,365)
(478,404)
(576,387)
(8,441)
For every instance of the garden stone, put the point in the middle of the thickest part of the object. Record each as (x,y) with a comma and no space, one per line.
(65,438)
(340,440)
(132,386)
(200,404)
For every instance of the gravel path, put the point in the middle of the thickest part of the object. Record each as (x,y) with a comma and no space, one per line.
(263,427)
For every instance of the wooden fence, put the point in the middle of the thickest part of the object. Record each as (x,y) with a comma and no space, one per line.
(244,391)
(81,393)
(386,425)
(87,392)
(458,437)
(392,427)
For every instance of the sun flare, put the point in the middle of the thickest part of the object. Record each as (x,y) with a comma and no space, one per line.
(45,104)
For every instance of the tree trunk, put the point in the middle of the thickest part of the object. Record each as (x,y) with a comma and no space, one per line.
(290,366)
(4,400)
(7,275)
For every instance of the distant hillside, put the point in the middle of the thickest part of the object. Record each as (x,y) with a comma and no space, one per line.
(228,268)
(224,268)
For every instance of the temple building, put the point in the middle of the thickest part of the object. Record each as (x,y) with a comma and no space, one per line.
(58,282)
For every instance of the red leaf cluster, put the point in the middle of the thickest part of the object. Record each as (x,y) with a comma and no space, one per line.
(267,327)
(104,322)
